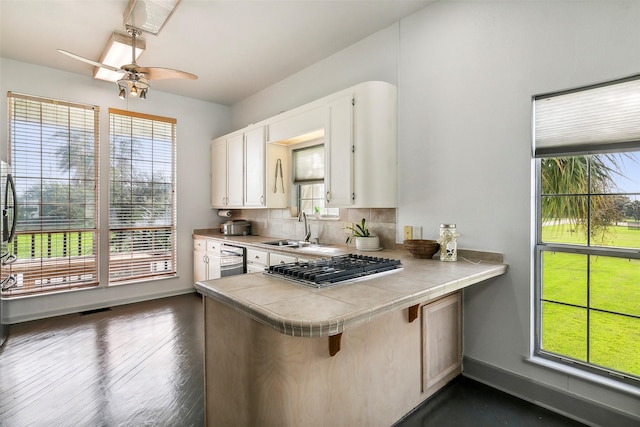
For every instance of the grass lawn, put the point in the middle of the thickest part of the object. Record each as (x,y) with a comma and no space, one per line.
(592,283)
(51,245)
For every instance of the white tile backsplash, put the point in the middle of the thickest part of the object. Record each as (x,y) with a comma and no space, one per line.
(278,223)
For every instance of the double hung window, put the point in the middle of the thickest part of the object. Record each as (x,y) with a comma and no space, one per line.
(52,152)
(587,149)
(142,205)
(308,176)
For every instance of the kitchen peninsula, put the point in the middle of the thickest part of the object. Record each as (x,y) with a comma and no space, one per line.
(279,353)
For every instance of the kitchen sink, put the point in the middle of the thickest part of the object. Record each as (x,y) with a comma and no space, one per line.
(306,247)
(288,243)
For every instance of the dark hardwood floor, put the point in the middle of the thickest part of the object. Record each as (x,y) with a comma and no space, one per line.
(142,365)
(465,402)
(134,365)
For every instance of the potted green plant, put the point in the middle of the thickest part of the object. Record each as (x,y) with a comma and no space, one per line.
(365,241)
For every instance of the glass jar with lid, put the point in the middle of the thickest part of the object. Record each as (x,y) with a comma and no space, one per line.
(448,242)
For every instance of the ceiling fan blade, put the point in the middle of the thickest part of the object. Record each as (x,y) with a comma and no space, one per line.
(89,61)
(155,73)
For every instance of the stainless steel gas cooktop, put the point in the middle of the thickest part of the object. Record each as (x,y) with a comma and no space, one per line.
(338,269)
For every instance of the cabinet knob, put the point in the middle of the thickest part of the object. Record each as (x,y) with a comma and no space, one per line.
(262,200)
(327,197)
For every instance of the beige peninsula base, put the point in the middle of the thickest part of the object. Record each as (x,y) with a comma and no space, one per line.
(257,376)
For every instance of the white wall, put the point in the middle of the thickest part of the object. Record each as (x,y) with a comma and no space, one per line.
(197,123)
(466,72)
(374,58)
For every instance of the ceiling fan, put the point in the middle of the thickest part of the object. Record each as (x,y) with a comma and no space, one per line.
(135,79)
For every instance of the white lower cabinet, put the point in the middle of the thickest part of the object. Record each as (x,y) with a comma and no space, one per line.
(255,268)
(200,266)
(256,260)
(441,342)
(275,259)
(204,253)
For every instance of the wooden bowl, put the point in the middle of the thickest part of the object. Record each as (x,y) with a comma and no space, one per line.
(422,248)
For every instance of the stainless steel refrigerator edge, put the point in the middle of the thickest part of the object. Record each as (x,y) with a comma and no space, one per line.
(7,230)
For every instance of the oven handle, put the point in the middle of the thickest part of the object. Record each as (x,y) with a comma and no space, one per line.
(229,253)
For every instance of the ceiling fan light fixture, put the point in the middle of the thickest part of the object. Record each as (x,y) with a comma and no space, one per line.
(133,85)
(117,52)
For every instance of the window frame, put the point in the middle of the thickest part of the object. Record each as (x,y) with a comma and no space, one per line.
(68,271)
(587,250)
(170,262)
(557,149)
(299,184)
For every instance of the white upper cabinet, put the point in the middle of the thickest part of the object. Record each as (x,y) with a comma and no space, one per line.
(254,160)
(238,171)
(361,147)
(227,171)
(359,129)
(235,171)
(219,173)
(338,156)
(375,155)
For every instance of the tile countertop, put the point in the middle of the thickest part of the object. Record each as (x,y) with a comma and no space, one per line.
(304,311)
(258,242)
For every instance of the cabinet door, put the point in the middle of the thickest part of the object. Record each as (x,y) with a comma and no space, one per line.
(254,150)
(213,266)
(339,153)
(255,268)
(442,341)
(219,173)
(257,257)
(275,259)
(235,171)
(200,266)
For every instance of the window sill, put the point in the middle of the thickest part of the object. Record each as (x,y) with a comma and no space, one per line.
(586,376)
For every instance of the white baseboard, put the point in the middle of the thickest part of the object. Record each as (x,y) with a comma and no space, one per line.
(572,406)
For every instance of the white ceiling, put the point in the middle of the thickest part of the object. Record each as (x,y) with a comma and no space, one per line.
(236,47)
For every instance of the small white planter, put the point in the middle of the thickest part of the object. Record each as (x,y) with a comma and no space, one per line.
(371,243)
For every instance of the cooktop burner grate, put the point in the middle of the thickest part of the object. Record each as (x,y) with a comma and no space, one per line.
(338,269)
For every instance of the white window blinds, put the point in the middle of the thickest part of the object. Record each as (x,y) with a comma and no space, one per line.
(308,165)
(589,119)
(52,151)
(142,208)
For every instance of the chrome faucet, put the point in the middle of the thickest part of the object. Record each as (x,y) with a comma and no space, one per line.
(307,232)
